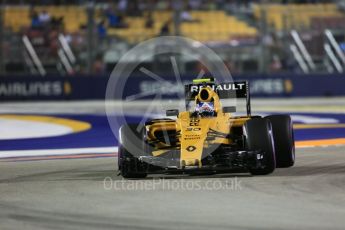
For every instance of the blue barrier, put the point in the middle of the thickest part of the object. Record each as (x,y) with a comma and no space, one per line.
(94,87)
(100,135)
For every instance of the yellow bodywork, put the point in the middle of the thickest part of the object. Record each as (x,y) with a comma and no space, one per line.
(193,132)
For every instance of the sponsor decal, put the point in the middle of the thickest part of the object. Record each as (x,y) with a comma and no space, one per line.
(164,88)
(34,88)
(194,122)
(67,88)
(269,86)
(191,148)
(288,86)
(257,87)
(192,136)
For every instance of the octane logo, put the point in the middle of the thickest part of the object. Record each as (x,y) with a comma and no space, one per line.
(121,107)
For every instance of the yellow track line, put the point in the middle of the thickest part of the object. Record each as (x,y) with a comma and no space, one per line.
(76,126)
(319,143)
(317,126)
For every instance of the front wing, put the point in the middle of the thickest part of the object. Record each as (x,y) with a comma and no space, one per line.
(220,162)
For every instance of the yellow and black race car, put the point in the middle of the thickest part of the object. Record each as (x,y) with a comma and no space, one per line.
(207,137)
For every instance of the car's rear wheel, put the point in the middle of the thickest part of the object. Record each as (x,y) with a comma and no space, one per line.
(259,137)
(284,142)
(131,143)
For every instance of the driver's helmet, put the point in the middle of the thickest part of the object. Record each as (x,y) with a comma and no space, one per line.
(205,109)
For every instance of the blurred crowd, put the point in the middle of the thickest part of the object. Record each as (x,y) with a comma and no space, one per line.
(43,20)
(113,14)
(162,4)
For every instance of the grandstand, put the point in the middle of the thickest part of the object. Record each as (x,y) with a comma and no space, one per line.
(18,17)
(216,26)
(136,31)
(253,36)
(210,26)
(295,15)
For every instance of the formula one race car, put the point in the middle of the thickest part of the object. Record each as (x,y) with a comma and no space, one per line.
(207,138)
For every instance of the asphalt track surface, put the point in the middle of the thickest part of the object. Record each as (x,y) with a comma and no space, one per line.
(73,194)
(88,194)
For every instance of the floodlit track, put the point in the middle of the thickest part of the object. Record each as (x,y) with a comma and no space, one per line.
(87,194)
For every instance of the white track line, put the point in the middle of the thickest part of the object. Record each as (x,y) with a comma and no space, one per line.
(56,152)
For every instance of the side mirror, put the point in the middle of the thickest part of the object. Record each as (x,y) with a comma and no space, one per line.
(172,112)
(229,109)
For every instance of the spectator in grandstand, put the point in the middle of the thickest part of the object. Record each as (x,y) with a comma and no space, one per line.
(276,64)
(243,3)
(52,41)
(149,23)
(122,5)
(165,29)
(194,4)
(211,5)
(185,16)
(115,20)
(56,23)
(101,30)
(98,66)
(161,5)
(133,9)
(35,22)
(44,17)
(177,4)
(143,6)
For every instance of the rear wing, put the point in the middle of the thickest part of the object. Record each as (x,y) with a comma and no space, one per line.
(238,89)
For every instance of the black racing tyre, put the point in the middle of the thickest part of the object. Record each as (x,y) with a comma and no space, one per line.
(284,141)
(131,140)
(259,137)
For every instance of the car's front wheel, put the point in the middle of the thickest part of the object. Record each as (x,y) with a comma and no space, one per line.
(283,140)
(131,141)
(259,137)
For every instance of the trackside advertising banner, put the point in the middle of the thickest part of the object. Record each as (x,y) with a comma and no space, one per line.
(52,88)
(144,87)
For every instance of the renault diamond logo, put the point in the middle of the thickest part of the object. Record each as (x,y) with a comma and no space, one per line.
(190,148)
